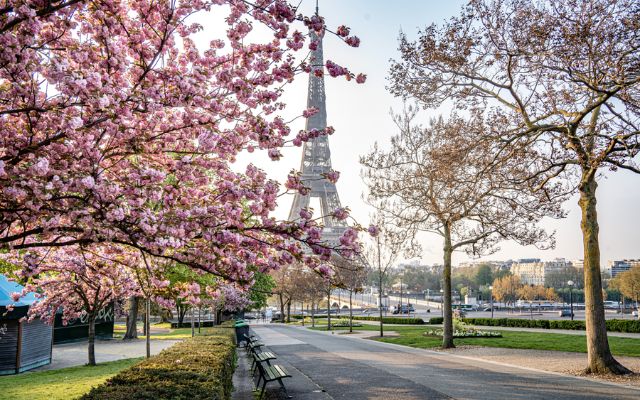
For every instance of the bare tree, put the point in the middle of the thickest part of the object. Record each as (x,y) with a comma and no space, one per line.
(350,275)
(559,77)
(379,255)
(444,180)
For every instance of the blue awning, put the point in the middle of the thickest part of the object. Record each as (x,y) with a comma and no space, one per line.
(7,288)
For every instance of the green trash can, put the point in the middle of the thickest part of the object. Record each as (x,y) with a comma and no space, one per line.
(242,328)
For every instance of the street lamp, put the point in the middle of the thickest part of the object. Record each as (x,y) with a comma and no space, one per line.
(491,296)
(570,283)
(442,302)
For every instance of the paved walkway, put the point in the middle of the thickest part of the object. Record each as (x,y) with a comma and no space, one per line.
(336,366)
(72,354)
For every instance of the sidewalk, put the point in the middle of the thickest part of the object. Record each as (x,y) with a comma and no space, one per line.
(299,386)
(348,367)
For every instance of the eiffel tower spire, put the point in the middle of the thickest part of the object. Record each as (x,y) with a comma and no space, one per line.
(316,155)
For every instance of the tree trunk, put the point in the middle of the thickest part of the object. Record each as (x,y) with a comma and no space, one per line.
(289,311)
(329,310)
(132,319)
(447,326)
(380,301)
(281,308)
(350,312)
(92,340)
(313,314)
(147,319)
(193,324)
(600,360)
(199,319)
(182,311)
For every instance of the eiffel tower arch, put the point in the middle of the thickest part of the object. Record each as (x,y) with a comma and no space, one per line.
(316,156)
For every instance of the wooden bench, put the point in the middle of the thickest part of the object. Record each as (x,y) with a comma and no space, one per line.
(254,347)
(265,356)
(270,373)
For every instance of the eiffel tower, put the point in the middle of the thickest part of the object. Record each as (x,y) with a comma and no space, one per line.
(316,156)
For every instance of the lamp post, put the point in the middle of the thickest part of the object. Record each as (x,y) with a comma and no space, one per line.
(400,312)
(570,283)
(442,302)
(491,296)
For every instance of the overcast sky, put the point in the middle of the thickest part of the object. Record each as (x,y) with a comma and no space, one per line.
(360,115)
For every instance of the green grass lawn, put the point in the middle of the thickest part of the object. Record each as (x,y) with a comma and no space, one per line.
(66,383)
(172,334)
(414,337)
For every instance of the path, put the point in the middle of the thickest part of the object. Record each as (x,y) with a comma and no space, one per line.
(353,368)
(72,354)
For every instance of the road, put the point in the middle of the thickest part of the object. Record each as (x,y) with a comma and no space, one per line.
(351,368)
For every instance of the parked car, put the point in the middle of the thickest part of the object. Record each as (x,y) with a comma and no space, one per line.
(404,309)
(565,312)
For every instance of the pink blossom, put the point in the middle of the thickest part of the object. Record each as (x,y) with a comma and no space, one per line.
(373,230)
(306,214)
(353,41)
(332,176)
(41,167)
(342,31)
(310,112)
(341,213)
(88,182)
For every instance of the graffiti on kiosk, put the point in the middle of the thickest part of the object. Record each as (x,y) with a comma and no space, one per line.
(104,315)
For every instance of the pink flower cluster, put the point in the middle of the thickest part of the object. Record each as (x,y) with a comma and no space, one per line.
(120,136)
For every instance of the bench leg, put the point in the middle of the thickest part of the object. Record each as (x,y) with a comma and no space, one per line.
(264,384)
(284,388)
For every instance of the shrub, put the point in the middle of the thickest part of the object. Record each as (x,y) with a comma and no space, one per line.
(623,325)
(436,320)
(386,320)
(197,368)
(613,325)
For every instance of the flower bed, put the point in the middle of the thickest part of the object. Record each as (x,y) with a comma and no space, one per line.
(344,323)
(465,334)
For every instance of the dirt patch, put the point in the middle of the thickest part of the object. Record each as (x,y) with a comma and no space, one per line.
(553,361)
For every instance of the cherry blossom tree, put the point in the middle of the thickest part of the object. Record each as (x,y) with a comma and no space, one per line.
(82,282)
(118,128)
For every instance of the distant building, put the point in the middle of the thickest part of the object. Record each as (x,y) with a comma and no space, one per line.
(618,266)
(412,265)
(579,264)
(533,271)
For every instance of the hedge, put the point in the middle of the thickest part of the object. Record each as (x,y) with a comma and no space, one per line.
(187,324)
(386,320)
(613,325)
(393,320)
(436,320)
(197,368)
